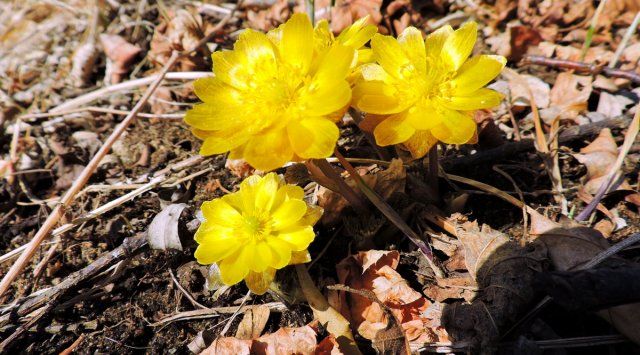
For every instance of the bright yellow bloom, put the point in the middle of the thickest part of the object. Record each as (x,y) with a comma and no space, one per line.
(424,91)
(275,96)
(251,233)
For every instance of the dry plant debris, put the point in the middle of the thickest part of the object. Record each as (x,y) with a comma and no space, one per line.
(486,170)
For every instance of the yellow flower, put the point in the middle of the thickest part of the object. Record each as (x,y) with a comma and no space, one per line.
(251,233)
(274,97)
(421,92)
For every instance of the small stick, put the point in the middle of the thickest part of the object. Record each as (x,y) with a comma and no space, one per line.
(625,39)
(127,85)
(185,292)
(581,67)
(33,116)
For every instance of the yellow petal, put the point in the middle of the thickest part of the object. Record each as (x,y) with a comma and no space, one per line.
(298,237)
(228,68)
(265,192)
(420,143)
(435,41)
(423,116)
(313,137)
(376,97)
(391,57)
(235,267)
(413,45)
(456,128)
(335,65)
(259,282)
(325,97)
(287,192)
(262,257)
(482,98)
(459,44)
(256,51)
(281,251)
(359,33)
(476,73)
(221,143)
(212,117)
(215,244)
(219,212)
(393,130)
(296,45)
(288,214)
(269,151)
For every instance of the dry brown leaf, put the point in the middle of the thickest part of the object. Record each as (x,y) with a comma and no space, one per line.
(329,346)
(599,156)
(286,340)
(521,84)
(253,322)
(521,38)
(346,12)
(568,97)
(121,55)
(183,31)
(239,168)
(269,18)
(374,271)
(228,345)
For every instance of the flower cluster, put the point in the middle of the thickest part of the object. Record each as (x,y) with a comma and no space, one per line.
(277,97)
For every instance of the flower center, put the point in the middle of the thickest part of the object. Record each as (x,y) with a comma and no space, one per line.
(256,227)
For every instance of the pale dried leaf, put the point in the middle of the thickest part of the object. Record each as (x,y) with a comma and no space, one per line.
(253,322)
(286,340)
(163,230)
(228,345)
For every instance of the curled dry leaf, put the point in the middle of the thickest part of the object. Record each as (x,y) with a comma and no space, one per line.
(239,168)
(269,18)
(82,63)
(345,12)
(612,105)
(599,156)
(121,55)
(163,231)
(374,271)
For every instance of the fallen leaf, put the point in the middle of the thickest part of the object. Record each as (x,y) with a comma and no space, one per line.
(121,55)
(612,105)
(599,156)
(269,18)
(568,97)
(239,168)
(521,85)
(346,12)
(253,322)
(521,38)
(328,346)
(374,271)
(286,340)
(228,345)
(184,29)
(163,231)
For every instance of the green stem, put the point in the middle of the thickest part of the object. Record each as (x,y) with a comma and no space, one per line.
(311,10)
